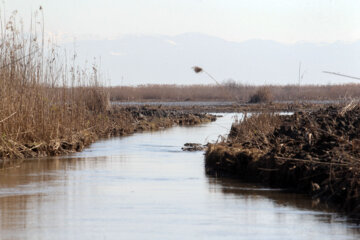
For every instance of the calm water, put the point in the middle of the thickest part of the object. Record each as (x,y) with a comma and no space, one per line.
(144,187)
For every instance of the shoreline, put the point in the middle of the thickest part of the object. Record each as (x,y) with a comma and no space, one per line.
(316,153)
(124,120)
(118,121)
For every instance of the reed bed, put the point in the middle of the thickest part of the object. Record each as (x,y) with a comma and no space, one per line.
(256,126)
(43,97)
(231,91)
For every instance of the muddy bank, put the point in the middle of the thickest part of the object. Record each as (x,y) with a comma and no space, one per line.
(316,153)
(118,121)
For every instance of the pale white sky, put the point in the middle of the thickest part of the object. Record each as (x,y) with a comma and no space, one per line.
(286,21)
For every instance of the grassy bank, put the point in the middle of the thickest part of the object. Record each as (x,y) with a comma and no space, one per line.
(118,121)
(317,153)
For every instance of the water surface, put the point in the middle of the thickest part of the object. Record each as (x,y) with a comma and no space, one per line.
(144,187)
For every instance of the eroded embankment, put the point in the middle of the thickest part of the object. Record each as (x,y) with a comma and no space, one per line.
(119,121)
(317,153)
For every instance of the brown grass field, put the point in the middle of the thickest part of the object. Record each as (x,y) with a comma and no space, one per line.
(233,92)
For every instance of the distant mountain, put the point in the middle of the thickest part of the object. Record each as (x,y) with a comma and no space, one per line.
(134,60)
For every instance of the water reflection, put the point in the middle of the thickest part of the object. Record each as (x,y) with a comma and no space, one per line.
(280,197)
(268,207)
(144,187)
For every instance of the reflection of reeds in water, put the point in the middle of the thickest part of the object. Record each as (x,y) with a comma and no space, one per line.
(257,192)
(43,98)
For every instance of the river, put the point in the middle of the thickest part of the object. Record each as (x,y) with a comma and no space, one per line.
(144,187)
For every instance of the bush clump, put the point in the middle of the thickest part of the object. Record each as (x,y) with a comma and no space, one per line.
(262,95)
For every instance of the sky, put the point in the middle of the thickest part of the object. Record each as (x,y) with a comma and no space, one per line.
(285,21)
(135,39)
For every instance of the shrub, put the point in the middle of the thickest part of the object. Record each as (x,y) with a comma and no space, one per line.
(262,95)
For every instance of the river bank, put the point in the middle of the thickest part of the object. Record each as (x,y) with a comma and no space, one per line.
(118,121)
(315,153)
(138,187)
(85,127)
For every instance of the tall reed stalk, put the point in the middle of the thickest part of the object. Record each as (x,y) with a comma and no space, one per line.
(42,97)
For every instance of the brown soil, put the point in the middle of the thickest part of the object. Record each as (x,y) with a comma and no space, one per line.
(119,121)
(317,153)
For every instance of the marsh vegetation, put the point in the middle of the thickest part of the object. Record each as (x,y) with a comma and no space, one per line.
(49,105)
(317,153)
(231,91)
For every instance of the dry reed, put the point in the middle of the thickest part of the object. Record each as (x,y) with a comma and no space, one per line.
(43,98)
(239,92)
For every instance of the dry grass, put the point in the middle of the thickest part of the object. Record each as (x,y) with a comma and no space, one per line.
(239,92)
(316,153)
(262,95)
(42,97)
(254,129)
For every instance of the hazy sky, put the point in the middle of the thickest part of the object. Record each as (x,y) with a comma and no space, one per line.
(286,21)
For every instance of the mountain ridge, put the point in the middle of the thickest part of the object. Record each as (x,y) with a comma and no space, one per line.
(159,59)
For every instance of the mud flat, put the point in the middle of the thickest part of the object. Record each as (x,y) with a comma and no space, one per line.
(311,152)
(118,121)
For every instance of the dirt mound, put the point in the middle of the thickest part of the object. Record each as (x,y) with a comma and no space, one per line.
(317,152)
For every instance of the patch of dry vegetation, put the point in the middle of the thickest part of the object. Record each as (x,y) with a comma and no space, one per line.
(257,126)
(317,153)
(239,92)
(262,95)
(42,98)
